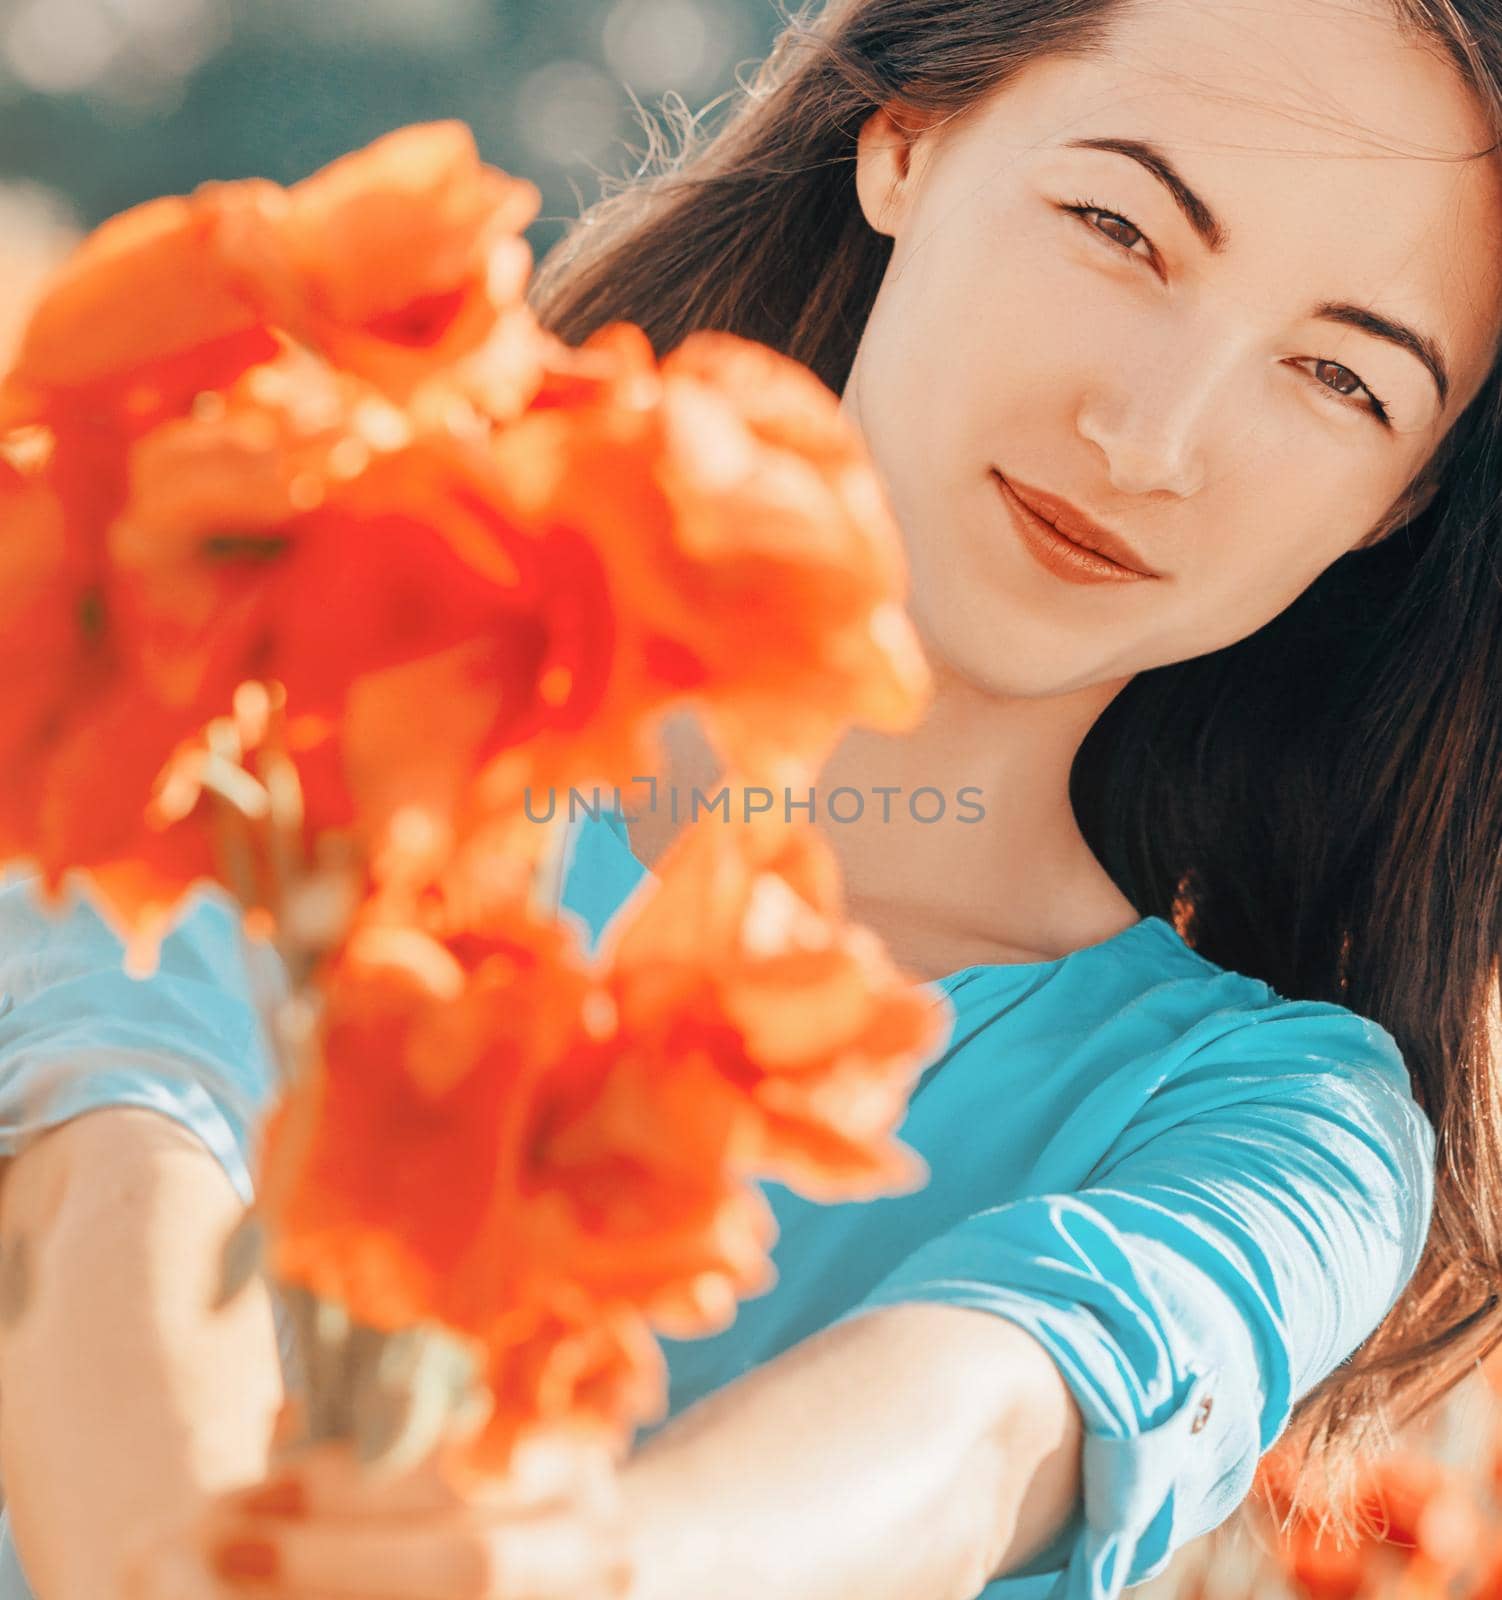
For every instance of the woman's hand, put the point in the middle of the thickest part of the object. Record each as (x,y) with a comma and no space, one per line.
(320,1529)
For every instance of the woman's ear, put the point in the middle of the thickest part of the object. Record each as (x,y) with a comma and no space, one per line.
(886,160)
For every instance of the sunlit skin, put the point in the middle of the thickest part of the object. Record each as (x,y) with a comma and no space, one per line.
(1188,398)
(1183,395)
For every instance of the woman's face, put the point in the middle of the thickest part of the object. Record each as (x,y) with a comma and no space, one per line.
(1205,286)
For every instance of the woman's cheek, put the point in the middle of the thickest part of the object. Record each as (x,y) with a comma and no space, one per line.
(1243,593)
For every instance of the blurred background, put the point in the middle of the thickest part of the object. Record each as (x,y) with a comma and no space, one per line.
(104,103)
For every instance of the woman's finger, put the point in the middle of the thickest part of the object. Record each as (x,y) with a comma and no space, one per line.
(449,1557)
(327,1480)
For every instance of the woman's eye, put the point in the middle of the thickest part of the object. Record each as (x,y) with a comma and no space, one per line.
(1341,379)
(1344,386)
(1112,226)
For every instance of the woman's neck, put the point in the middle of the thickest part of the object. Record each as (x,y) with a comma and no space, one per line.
(1000,874)
(1004,873)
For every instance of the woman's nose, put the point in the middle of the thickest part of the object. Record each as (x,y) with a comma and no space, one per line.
(1153,421)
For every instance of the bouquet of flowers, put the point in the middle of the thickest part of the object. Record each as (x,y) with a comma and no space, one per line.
(319,560)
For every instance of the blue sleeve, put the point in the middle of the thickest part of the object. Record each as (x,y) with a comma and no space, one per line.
(1243,1237)
(77,1032)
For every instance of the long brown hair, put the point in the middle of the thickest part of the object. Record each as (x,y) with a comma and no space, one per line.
(1318,805)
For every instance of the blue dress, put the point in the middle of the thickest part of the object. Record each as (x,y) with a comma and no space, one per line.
(1198,1195)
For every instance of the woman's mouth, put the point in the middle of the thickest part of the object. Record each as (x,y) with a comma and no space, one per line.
(1062,556)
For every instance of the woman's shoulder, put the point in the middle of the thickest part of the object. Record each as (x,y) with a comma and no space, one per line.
(1244,1053)
(1131,1038)
(1226,1017)
(1247,1021)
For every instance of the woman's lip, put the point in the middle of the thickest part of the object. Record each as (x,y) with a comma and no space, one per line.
(1060,555)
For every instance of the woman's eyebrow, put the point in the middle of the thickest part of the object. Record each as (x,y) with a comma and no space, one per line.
(1201,218)
(1213,232)
(1398,333)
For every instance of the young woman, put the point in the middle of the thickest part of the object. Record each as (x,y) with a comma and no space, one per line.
(1172,327)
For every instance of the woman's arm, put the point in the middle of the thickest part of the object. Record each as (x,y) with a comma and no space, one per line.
(907,1453)
(123,1398)
(912,1453)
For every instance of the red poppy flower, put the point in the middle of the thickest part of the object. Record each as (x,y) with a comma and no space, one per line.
(297,531)
(146,313)
(740,967)
(401,259)
(81,738)
(757,558)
